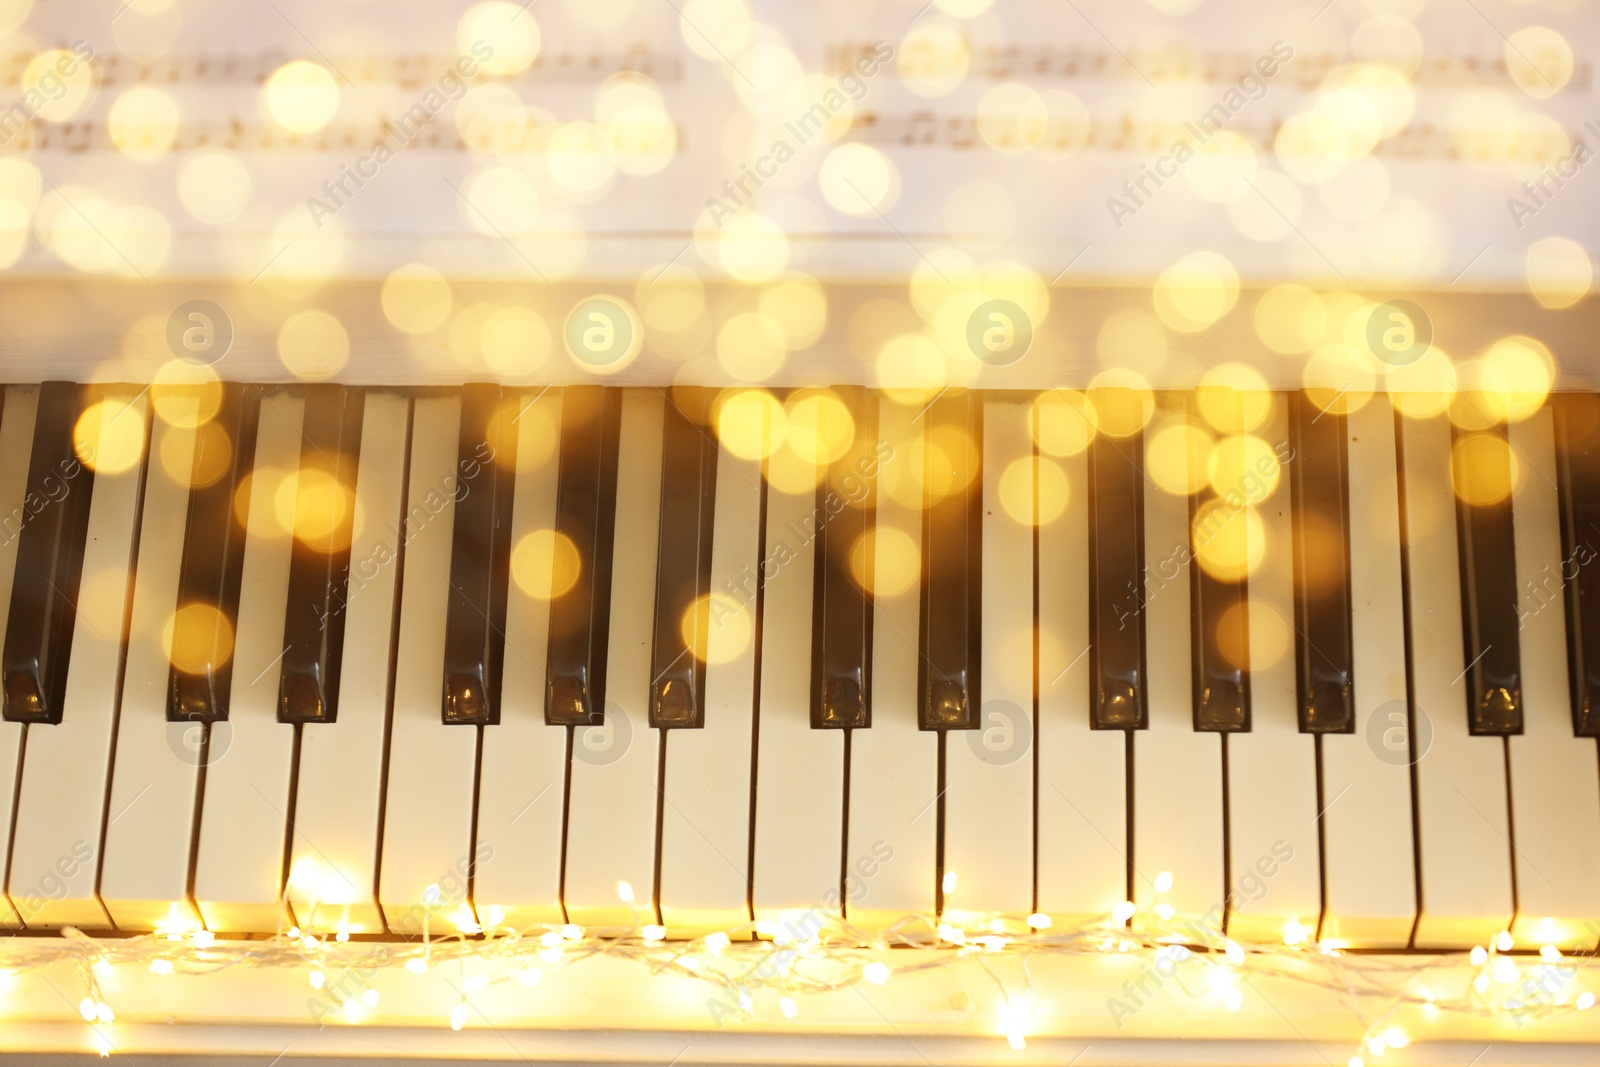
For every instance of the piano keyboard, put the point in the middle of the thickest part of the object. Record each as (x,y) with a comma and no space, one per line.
(328,656)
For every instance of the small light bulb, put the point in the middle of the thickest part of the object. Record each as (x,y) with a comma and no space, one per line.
(876,972)
(103,1012)
(654,932)
(572,932)
(1294,933)
(417,966)
(1550,954)
(1479,955)
(160,966)
(1015,1039)
(458,1016)
(204,937)
(475,983)
(1163,882)
(1395,1037)
(1481,983)
(1124,911)
(787,1006)
(1356,1061)
(1506,969)
(530,976)
(625,892)
(496,915)
(715,943)
(316,978)
(551,955)
(689,963)
(342,936)
(86,1009)
(1376,1046)
(1234,999)
(1234,953)
(949,882)
(1585,1001)
(102,968)
(1039,921)
(1502,941)
(370,998)
(102,1046)
(1164,912)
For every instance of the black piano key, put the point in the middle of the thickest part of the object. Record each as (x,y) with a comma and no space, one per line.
(841,619)
(683,563)
(1320,514)
(1219,635)
(319,580)
(1489,621)
(480,561)
(213,554)
(586,507)
(1577,423)
(1116,485)
(44,598)
(949,681)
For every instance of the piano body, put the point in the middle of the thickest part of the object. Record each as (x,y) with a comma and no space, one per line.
(555,605)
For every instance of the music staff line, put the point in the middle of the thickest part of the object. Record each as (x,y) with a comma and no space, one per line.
(925,129)
(918,129)
(238,135)
(1177,64)
(405,71)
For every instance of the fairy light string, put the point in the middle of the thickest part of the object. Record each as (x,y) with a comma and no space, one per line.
(787,965)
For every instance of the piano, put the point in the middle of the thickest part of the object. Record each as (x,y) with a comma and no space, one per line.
(729,546)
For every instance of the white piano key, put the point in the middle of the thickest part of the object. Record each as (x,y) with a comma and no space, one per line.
(61,801)
(1272,768)
(427,825)
(798,845)
(894,769)
(1464,842)
(1082,790)
(522,783)
(988,828)
(238,872)
(705,819)
(155,769)
(1555,778)
(338,803)
(16,446)
(1177,771)
(612,800)
(1369,867)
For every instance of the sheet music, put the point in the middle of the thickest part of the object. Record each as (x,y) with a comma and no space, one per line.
(1124,85)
